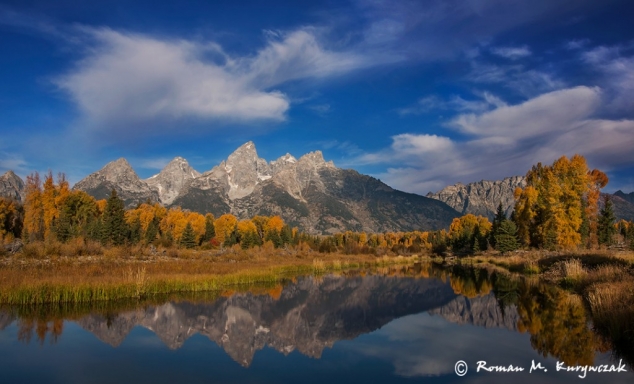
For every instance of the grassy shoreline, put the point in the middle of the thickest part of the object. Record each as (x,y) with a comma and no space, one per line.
(25,281)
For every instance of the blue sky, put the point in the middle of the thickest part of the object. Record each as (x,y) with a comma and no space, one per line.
(420,94)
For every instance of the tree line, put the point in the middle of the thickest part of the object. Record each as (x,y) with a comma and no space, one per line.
(557,209)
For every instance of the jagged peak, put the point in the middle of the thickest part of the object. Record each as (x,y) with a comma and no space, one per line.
(317,159)
(119,163)
(249,146)
(288,158)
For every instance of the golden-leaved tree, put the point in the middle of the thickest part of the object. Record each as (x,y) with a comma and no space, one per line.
(551,209)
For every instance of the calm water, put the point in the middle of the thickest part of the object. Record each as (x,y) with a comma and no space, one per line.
(408,325)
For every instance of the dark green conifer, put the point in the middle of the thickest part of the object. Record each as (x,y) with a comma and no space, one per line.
(188,239)
(506,239)
(606,222)
(114,229)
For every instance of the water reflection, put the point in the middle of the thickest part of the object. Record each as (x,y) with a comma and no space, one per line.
(310,314)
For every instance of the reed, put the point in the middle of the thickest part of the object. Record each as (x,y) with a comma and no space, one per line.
(116,276)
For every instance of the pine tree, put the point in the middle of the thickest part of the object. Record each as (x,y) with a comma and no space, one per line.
(500,216)
(506,239)
(135,230)
(188,239)
(152,230)
(114,229)
(606,222)
(286,235)
(210,231)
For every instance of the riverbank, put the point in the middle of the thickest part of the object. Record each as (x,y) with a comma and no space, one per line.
(604,280)
(68,279)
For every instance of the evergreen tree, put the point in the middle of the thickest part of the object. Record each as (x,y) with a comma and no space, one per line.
(210,230)
(232,239)
(630,235)
(135,230)
(286,235)
(506,239)
(152,230)
(500,216)
(114,229)
(188,239)
(584,229)
(274,236)
(606,222)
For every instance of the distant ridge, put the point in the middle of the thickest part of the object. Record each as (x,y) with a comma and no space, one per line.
(310,193)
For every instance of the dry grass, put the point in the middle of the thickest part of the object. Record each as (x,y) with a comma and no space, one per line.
(612,307)
(129,272)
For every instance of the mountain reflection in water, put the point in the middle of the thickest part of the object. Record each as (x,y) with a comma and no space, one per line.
(309,314)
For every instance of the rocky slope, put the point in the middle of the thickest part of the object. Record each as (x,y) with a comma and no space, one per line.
(12,186)
(308,192)
(309,315)
(629,197)
(481,198)
(120,176)
(171,179)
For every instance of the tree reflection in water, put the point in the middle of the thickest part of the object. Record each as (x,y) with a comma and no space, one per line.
(342,307)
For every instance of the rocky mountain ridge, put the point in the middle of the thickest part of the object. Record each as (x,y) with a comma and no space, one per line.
(120,176)
(481,198)
(12,186)
(308,192)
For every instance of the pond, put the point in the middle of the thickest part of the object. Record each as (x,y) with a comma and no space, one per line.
(408,324)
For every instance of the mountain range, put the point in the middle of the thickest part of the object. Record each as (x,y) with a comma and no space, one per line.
(310,193)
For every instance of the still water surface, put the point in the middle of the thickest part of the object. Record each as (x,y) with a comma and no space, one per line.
(409,325)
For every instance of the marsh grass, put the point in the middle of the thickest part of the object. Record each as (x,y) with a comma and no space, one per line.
(130,273)
(612,308)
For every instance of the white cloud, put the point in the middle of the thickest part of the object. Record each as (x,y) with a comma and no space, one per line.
(454,103)
(516,77)
(535,116)
(507,141)
(131,78)
(618,75)
(576,44)
(512,53)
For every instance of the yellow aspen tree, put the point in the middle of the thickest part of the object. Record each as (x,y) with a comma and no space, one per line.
(597,180)
(526,199)
(101,206)
(260,223)
(33,208)
(224,226)
(275,223)
(174,222)
(197,221)
(8,214)
(49,195)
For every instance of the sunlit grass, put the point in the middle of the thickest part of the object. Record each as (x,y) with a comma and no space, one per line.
(119,274)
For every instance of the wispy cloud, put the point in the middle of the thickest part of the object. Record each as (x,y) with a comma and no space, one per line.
(506,141)
(320,109)
(131,78)
(454,103)
(515,77)
(616,66)
(577,44)
(512,53)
